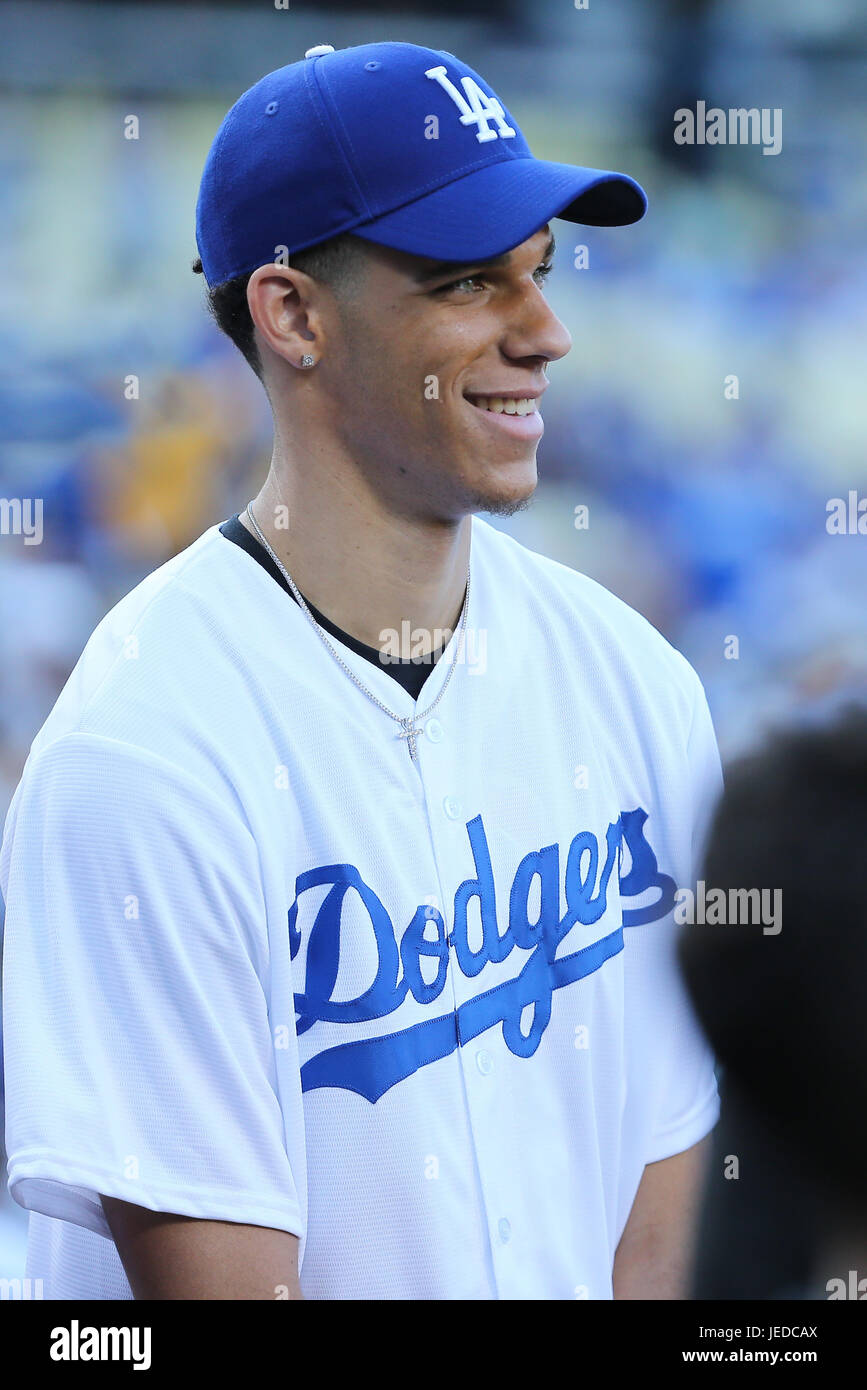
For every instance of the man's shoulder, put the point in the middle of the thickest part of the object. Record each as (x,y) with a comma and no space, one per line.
(594,615)
(147,649)
(196,569)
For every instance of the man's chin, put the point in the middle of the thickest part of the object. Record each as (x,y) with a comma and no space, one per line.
(501,500)
(502,506)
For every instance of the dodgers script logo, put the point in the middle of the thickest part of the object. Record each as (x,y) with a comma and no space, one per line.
(371,1066)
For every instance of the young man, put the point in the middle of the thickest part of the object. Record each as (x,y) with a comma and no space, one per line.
(333,972)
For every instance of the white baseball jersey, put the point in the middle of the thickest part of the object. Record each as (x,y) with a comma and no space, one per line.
(263,966)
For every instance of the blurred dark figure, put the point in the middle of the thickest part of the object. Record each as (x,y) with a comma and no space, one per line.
(785,1208)
(685,41)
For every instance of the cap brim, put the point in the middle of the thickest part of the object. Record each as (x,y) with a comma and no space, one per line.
(489,211)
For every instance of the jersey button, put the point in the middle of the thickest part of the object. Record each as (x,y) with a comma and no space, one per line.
(452,807)
(504,1229)
(434,730)
(484,1062)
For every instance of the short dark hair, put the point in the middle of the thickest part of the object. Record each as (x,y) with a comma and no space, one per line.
(334,262)
(785,1014)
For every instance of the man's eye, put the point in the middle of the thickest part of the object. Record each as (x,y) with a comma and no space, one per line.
(470,284)
(475,282)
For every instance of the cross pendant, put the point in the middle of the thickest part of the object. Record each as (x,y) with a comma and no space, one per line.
(410,733)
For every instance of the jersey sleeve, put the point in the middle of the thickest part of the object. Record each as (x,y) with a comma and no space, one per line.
(138,1049)
(675,1065)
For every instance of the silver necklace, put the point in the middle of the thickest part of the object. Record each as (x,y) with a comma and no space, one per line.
(410,725)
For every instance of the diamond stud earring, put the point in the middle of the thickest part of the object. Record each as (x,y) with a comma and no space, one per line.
(307,360)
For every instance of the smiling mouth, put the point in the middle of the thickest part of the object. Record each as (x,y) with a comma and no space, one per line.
(504,405)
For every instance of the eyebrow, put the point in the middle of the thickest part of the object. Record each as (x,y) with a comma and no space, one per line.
(454,268)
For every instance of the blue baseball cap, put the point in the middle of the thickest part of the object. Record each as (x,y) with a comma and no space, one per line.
(401,145)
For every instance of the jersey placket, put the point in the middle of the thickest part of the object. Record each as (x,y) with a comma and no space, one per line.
(477,1059)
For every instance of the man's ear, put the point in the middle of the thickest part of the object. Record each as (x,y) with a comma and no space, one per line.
(284,307)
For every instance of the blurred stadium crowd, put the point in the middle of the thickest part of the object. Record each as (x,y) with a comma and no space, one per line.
(707,513)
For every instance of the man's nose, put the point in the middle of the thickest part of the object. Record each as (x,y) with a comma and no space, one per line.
(535,330)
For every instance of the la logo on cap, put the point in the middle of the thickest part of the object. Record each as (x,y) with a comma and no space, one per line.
(477,108)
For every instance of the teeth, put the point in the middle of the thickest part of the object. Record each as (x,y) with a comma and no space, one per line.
(506,405)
